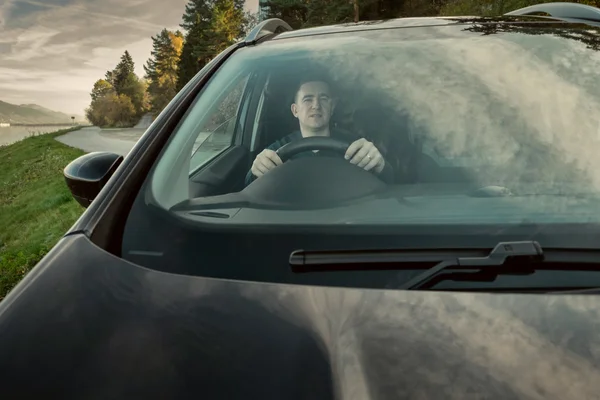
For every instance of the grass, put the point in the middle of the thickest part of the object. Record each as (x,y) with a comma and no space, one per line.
(36,207)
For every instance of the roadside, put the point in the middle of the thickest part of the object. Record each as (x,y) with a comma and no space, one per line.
(119,141)
(14,133)
(36,207)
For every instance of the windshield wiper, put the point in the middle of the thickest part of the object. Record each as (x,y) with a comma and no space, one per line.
(468,265)
(505,255)
(518,258)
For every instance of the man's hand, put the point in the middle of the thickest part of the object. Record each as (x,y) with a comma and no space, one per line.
(364,154)
(264,162)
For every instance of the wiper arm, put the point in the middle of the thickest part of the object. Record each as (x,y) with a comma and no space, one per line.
(530,251)
(470,265)
(501,259)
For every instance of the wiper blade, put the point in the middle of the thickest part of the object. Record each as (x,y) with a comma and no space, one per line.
(501,259)
(327,260)
(526,251)
(304,261)
(469,265)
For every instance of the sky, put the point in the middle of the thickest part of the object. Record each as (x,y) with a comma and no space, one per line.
(52,51)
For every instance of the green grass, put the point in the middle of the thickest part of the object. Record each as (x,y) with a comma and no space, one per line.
(36,207)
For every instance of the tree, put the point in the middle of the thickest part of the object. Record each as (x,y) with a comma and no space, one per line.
(211,26)
(123,112)
(122,73)
(119,99)
(250,21)
(492,7)
(101,88)
(195,53)
(294,12)
(133,88)
(188,65)
(228,20)
(110,78)
(162,68)
(111,110)
(307,13)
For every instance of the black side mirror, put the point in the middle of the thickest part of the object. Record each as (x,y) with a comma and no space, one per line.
(88,174)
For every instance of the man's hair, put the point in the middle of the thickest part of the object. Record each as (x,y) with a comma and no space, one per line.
(314,77)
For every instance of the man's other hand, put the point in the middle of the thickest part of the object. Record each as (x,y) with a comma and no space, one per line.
(365,155)
(264,162)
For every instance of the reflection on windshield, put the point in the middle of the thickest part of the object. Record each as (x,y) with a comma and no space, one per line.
(524,101)
(511,108)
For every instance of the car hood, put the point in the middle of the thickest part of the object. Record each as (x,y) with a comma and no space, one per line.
(85,324)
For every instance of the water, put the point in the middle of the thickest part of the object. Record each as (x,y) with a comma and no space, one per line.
(13,134)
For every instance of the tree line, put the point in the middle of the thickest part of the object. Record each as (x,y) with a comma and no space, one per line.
(210,26)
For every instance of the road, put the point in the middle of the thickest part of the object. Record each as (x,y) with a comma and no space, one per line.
(119,141)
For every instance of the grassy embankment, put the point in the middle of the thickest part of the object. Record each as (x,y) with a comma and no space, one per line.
(36,207)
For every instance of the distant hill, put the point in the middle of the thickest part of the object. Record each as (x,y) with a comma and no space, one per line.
(33,114)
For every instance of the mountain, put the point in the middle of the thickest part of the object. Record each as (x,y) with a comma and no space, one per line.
(33,114)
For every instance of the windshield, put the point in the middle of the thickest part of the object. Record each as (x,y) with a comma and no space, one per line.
(475,123)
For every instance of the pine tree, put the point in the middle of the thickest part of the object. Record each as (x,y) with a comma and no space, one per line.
(188,64)
(109,77)
(196,23)
(307,13)
(294,12)
(122,72)
(162,68)
(211,26)
(228,22)
(133,88)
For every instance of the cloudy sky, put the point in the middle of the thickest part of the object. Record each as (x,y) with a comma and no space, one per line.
(52,51)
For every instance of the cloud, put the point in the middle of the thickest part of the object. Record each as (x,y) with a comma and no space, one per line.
(81,9)
(52,51)
(4,11)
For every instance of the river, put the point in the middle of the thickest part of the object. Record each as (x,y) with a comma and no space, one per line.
(13,134)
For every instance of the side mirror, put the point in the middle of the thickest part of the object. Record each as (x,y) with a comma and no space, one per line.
(88,174)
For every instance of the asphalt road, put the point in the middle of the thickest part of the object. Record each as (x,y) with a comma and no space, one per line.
(119,141)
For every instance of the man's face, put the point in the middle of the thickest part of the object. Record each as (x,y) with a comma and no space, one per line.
(313,106)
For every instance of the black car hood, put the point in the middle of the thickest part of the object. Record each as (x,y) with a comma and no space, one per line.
(85,324)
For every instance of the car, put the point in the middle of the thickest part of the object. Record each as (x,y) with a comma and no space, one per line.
(471,273)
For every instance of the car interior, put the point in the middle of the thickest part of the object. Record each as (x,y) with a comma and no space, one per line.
(264,116)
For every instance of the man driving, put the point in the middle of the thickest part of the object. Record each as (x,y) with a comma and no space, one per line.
(313,106)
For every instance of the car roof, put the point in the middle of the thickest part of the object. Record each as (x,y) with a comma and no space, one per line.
(400,23)
(553,13)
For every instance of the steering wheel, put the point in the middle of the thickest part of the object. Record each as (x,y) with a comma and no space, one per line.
(303,183)
(286,152)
